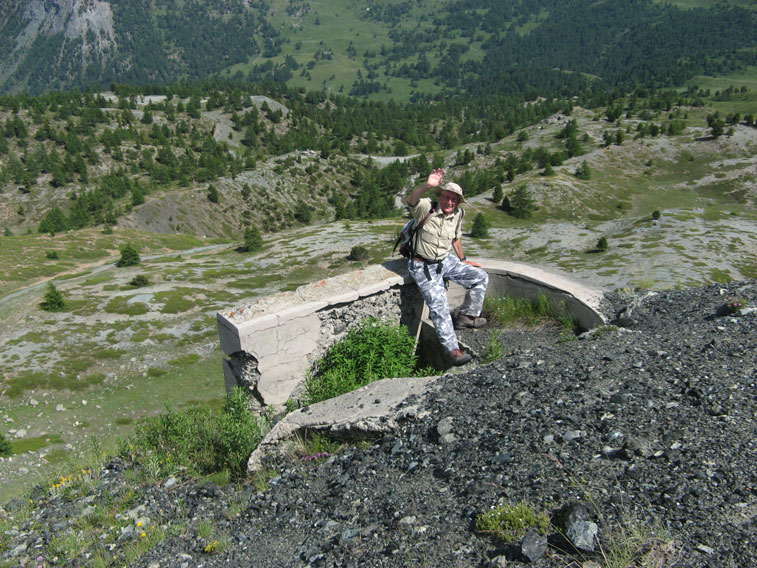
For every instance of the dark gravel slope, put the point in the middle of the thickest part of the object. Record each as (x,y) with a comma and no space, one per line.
(652,426)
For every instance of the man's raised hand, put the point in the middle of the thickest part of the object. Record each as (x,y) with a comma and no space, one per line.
(435,177)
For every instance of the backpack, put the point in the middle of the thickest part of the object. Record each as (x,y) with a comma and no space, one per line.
(406,238)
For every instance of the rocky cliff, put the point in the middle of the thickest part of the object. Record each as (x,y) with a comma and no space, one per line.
(83,29)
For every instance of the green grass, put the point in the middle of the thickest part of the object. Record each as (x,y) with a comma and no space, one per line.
(512,521)
(185,360)
(177,300)
(511,311)
(113,409)
(20,254)
(120,305)
(36,443)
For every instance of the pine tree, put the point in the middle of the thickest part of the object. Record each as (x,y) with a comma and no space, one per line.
(54,301)
(480,226)
(498,194)
(212,194)
(583,171)
(522,203)
(252,240)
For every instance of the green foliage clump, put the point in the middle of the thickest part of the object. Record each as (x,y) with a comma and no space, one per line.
(129,256)
(52,255)
(583,171)
(371,351)
(252,240)
(139,281)
(602,244)
(495,349)
(201,441)
(54,301)
(511,522)
(522,204)
(480,226)
(213,195)
(508,310)
(497,194)
(5,446)
(357,253)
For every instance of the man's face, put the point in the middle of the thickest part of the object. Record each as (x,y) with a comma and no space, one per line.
(449,200)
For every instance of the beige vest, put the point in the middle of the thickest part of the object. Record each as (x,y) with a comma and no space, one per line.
(437,233)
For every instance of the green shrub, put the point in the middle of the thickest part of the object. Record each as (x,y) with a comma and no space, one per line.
(358,253)
(252,240)
(602,244)
(52,255)
(139,280)
(5,446)
(199,440)
(54,301)
(512,522)
(371,351)
(213,195)
(129,256)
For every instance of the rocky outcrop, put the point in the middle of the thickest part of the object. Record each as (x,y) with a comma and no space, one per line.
(88,24)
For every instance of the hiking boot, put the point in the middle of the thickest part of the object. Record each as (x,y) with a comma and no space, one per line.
(460,357)
(463,321)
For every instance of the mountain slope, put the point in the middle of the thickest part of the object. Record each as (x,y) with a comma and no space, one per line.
(378,49)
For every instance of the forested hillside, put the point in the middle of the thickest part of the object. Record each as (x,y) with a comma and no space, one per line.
(379,49)
(73,160)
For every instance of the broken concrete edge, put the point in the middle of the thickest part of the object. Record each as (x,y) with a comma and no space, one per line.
(306,300)
(368,412)
(362,283)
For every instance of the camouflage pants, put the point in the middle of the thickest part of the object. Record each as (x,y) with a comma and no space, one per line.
(430,279)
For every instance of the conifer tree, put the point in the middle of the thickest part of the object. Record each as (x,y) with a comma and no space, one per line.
(480,226)
(54,301)
(252,240)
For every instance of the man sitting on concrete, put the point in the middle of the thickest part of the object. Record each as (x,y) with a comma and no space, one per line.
(438,255)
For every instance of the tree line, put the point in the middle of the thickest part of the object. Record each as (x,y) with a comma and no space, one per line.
(110,153)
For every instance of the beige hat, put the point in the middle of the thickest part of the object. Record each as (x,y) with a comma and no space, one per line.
(454,188)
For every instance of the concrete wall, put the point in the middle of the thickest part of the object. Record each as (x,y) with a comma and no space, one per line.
(272,343)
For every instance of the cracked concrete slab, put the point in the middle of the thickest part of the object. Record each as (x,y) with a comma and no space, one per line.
(369,411)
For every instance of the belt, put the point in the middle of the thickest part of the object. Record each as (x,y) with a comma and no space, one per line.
(426,262)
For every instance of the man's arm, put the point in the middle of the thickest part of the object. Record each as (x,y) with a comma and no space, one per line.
(434,179)
(457,245)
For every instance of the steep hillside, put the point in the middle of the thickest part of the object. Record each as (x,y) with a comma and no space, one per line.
(378,49)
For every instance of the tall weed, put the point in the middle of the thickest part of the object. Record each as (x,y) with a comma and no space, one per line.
(509,311)
(201,441)
(371,351)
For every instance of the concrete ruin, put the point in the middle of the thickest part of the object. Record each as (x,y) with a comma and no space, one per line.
(272,342)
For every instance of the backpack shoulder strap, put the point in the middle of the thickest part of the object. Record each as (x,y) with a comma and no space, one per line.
(430,212)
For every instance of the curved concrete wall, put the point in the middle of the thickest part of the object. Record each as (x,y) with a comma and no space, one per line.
(272,343)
